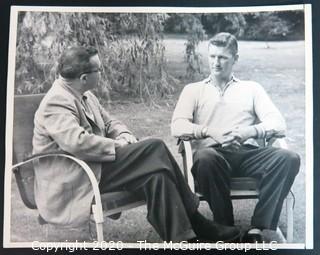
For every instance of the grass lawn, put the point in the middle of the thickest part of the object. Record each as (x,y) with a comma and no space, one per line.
(280,69)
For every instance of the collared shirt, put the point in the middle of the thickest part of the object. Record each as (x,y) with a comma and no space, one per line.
(241,103)
(81,97)
(87,108)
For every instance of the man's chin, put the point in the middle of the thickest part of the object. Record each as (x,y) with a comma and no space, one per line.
(217,73)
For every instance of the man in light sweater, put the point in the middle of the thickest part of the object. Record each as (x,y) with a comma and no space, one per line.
(224,116)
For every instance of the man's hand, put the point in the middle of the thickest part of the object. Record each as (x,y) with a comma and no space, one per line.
(238,136)
(120,143)
(233,138)
(129,138)
(242,134)
(219,136)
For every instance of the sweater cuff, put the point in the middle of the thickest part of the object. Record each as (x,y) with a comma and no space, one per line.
(260,131)
(197,131)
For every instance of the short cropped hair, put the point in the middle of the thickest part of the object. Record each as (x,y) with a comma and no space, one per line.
(225,40)
(75,61)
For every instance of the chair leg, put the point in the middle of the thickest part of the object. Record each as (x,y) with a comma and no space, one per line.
(280,235)
(289,207)
(99,227)
(46,229)
(98,217)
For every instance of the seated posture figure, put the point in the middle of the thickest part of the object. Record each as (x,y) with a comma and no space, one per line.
(225,116)
(71,119)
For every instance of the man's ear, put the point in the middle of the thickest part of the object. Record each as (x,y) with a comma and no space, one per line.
(236,57)
(83,78)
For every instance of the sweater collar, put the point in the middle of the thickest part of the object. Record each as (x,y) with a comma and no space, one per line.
(233,79)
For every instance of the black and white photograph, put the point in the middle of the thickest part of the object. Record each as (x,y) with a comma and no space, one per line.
(159,128)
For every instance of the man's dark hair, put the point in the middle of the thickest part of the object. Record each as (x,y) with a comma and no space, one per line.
(75,61)
(225,40)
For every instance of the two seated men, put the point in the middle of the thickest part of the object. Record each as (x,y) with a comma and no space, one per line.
(220,113)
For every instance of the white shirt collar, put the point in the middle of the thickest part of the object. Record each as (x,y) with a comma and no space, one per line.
(233,79)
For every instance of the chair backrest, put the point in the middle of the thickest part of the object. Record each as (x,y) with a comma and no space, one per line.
(25,107)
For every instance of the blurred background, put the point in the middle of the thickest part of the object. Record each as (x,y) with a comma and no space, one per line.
(132,45)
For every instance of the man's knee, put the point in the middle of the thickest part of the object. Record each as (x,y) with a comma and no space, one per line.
(291,159)
(154,142)
(206,155)
(206,161)
(160,177)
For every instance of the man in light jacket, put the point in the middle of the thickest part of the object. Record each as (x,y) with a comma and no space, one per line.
(71,119)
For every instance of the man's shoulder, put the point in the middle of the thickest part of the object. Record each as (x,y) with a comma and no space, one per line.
(56,95)
(249,84)
(197,85)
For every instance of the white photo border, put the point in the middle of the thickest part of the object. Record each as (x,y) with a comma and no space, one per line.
(308,104)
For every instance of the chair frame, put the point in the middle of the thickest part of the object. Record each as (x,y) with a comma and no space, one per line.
(241,187)
(99,206)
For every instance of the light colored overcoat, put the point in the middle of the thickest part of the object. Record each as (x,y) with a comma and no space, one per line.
(63,192)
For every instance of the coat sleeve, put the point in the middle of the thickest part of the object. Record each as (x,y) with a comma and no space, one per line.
(61,120)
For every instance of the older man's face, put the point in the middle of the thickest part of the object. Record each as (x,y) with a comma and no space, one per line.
(94,76)
(221,61)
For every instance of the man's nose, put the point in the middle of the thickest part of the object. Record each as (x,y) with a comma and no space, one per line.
(216,61)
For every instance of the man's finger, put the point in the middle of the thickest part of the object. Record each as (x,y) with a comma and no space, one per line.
(130,138)
(236,143)
(228,139)
(227,133)
(133,139)
(237,135)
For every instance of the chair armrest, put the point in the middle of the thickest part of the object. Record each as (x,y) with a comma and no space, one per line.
(280,142)
(84,166)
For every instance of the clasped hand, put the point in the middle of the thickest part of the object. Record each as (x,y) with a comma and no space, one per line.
(124,139)
(232,138)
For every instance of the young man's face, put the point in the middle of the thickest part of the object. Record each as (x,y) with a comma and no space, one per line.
(94,76)
(221,61)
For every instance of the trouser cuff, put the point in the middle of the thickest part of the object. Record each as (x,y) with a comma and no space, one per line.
(184,236)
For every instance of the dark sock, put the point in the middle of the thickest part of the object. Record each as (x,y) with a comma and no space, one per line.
(208,230)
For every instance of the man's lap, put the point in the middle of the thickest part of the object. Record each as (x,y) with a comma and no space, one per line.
(132,162)
(245,156)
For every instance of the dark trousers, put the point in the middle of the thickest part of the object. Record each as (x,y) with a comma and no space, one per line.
(275,169)
(149,168)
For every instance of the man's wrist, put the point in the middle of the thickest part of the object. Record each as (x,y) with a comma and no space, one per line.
(256,132)
(124,133)
(260,132)
(204,132)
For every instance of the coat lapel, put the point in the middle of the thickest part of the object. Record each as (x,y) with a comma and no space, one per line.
(94,116)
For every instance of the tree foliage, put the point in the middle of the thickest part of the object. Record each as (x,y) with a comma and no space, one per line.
(233,23)
(267,26)
(130,47)
(255,26)
(249,26)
